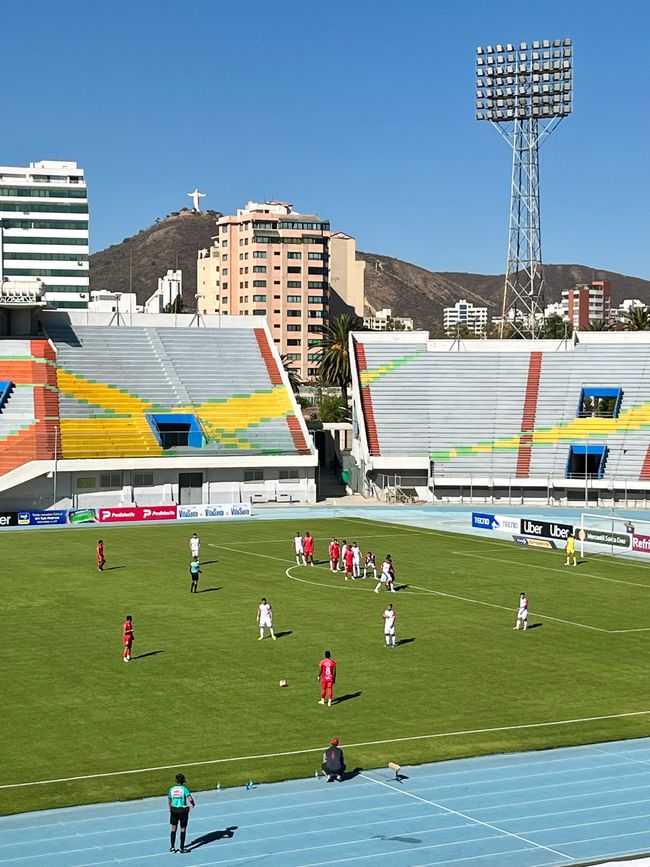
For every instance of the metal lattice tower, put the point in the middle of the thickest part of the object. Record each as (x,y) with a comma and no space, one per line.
(524,93)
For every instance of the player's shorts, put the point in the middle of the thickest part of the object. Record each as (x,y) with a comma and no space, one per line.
(523,614)
(389,630)
(265,622)
(195,576)
(179,816)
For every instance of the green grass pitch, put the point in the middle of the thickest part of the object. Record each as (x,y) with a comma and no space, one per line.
(205,687)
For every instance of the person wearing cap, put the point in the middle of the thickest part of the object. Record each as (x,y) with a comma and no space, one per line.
(333,765)
(180,802)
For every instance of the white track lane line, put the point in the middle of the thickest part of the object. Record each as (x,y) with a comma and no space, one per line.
(468,817)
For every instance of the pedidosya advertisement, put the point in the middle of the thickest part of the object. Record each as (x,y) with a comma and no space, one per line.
(124,514)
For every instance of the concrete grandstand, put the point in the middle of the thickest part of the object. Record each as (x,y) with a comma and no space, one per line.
(487,421)
(149,410)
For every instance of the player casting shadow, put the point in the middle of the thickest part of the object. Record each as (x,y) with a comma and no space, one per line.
(143,655)
(534,625)
(350,775)
(113,568)
(347,697)
(283,634)
(208,589)
(404,641)
(212,837)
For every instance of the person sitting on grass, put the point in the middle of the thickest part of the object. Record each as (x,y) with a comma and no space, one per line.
(333,765)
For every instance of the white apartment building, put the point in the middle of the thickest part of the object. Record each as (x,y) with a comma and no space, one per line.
(465,313)
(44,230)
(383,320)
(170,287)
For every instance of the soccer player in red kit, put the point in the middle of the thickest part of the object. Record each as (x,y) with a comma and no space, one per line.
(101,560)
(308,548)
(334,555)
(327,677)
(128,636)
(348,560)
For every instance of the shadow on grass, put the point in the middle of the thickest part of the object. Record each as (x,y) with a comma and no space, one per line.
(208,590)
(144,655)
(283,634)
(404,641)
(212,837)
(208,562)
(347,697)
(534,625)
(113,568)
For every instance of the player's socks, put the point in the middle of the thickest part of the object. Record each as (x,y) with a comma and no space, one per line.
(173,841)
(322,701)
(329,702)
(183,833)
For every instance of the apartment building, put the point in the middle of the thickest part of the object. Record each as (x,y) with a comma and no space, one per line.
(588,302)
(464,313)
(44,230)
(268,260)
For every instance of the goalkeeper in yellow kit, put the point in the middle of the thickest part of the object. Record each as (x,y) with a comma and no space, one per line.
(571,551)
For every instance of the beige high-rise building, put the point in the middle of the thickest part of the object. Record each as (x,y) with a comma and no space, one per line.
(268,260)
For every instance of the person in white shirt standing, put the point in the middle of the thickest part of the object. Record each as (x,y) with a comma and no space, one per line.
(356,560)
(390,616)
(265,618)
(370,565)
(299,549)
(195,546)
(387,576)
(522,613)
(344,550)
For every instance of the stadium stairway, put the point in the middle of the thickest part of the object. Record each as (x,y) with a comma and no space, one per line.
(366,401)
(524,453)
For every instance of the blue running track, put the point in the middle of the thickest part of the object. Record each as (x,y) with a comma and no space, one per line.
(565,806)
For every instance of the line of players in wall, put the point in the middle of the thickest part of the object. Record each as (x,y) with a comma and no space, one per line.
(347,559)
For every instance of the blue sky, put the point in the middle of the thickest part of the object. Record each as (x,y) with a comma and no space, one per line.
(360,111)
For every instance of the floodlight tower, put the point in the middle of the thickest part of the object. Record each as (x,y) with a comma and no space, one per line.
(524,92)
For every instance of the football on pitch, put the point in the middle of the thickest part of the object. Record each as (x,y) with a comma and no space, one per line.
(282,683)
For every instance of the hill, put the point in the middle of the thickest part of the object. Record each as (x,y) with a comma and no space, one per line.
(407,289)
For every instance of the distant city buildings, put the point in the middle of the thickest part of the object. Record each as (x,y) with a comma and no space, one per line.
(44,231)
(383,320)
(464,313)
(587,302)
(170,289)
(268,260)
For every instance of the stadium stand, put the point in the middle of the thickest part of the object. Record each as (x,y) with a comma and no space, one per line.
(511,411)
(107,394)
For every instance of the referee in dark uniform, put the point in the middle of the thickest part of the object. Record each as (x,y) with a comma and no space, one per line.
(180,801)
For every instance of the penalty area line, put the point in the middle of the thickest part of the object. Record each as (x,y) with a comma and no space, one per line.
(319,749)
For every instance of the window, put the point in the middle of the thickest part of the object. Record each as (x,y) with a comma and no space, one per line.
(294,269)
(224,258)
(42,193)
(259,284)
(259,297)
(259,269)
(259,254)
(317,314)
(313,341)
(315,284)
(224,299)
(61,257)
(277,297)
(316,256)
(253,475)
(312,371)
(294,313)
(110,480)
(259,312)
(600,402)
(84,483)
(45,224)
(294,327)
(314,356)
(286,475)
(142,480)
(315,299)
(45,272)
(224,243)
(293,342)
(586,462)
(261,224)
(292,255)
(224,271)
(294,284)
(293,356)
(316,328)
(317,270)
(224,285)
(72,242)
(294,299)
(51,209)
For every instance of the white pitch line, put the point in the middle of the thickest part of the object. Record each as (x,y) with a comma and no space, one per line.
(319,749)
(343,586)
(579,574)
(468,817)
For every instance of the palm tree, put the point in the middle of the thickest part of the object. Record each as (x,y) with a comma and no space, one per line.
(636,319)
(334,367)
(599,325)
(294,377)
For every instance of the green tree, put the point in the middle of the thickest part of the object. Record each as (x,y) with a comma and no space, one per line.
(294,377)
(599,325)
(636,319)
(333,409)
(334,367)
(555,328)
(394,325)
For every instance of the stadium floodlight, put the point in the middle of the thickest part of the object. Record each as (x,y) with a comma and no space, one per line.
(525,98)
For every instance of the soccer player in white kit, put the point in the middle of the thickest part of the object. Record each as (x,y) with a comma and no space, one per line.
(195,546)
(390,615)
(370,564)
(344,548)
(299,549)
(265,618)
(387,576)
(356,560)
(522,613)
